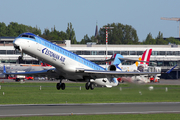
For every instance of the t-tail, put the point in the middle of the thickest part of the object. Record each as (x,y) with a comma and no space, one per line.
(114,65)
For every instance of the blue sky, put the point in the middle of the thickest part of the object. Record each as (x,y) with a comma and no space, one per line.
(143,15)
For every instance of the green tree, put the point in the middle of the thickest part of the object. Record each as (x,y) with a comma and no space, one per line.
(121,34)
(3,29)
(172,41)
(71,34)
(160,40)
(149,40)
(85,39)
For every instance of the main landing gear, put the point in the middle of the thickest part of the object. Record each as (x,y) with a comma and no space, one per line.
(89,85)
(60,85)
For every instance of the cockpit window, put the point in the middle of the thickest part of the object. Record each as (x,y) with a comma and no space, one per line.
(32,37)
(24,35)
(28,36)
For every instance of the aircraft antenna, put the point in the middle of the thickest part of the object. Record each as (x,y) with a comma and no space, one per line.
(174,19)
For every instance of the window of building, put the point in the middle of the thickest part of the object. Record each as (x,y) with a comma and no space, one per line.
(10,51)
(93,52)
(172,63)
(169,52)
(86,52)
(166,63)
(110,52)
(124,52)
(2,51)
(101,52)
(140,52)
(162,52)
(154,53)
(159,63)
(132,52)
(177,52)
(78,52)
(117,52)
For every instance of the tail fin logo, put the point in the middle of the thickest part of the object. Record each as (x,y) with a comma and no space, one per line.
(146,56)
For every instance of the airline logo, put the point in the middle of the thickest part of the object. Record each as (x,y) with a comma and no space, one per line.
(52,54)
(146,56)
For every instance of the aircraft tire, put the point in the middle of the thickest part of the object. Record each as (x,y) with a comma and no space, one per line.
(58,86)
(63,86)
(86,86)
(92,86)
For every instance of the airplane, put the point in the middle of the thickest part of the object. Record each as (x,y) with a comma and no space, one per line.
(140,65)
(67,64)
(10,68)
(143,61)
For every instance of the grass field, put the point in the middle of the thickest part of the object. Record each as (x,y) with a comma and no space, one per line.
(29,93)
(102,117)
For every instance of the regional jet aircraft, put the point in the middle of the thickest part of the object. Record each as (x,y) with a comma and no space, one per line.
(14,68)
(67,64)
(140,65)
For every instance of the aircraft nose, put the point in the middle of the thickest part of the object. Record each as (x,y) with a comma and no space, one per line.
(16,43)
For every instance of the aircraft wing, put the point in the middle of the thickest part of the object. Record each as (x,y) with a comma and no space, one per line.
(116,74)
(41,72)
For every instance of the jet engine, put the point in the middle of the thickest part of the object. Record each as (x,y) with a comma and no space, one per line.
(112,68)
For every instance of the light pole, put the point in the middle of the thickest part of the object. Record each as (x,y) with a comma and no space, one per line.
(107,38)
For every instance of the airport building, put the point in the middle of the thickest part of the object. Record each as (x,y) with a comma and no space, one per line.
(165,56)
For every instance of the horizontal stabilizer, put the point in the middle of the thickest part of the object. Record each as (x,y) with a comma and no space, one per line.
(127,59)
(108,60)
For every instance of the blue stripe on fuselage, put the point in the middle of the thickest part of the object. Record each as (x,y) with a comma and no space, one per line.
(53,47)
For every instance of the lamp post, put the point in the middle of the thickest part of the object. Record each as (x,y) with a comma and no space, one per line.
(107,38)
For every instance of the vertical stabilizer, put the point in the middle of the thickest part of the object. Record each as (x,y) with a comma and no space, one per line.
(116,60)
(146,56)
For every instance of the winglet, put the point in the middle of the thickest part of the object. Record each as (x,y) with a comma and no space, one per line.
(4,69)
(171,69)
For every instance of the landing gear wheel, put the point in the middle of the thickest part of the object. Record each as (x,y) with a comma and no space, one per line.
(63,86)
(87,86)
(91,86)
(58,86)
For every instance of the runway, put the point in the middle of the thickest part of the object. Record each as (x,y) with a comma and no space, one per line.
(85,109)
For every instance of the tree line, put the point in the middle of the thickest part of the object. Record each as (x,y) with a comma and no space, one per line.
(121,34)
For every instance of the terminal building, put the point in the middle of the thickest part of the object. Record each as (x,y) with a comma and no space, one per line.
(165,56)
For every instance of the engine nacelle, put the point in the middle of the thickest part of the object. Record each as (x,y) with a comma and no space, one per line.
(112,68)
